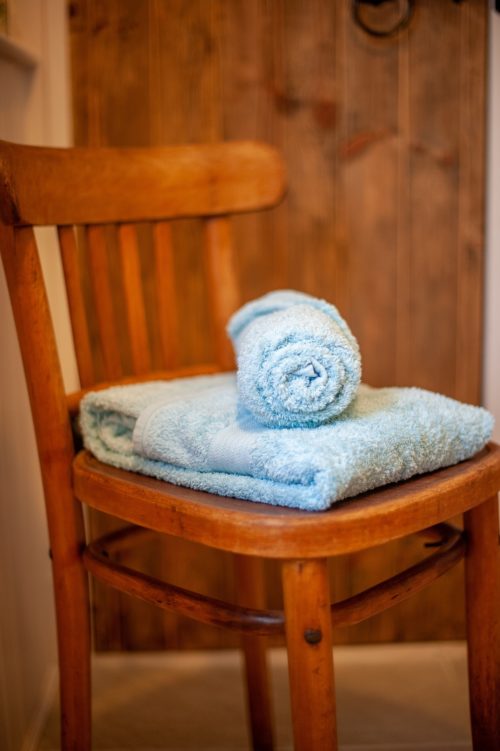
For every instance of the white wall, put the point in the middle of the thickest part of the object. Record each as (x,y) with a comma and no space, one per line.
(34,108)
(492,308)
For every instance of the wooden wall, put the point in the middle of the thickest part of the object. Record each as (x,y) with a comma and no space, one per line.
(383,140)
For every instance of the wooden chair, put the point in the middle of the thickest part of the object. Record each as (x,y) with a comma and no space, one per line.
(86,189)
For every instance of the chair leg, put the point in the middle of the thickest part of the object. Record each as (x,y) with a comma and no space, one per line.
(482,586)
(310,658)
(251,592)
(73,637)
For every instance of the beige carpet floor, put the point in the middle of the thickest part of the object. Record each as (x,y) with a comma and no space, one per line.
(389,698)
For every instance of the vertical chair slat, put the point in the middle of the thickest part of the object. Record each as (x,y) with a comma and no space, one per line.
(76,302)
(222,285)
(99,272)
(165,293)
(136,313)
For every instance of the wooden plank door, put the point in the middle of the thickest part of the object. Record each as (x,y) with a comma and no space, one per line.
(384,143)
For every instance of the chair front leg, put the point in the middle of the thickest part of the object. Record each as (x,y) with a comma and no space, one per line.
(250,587)
(310,659)
(482,586)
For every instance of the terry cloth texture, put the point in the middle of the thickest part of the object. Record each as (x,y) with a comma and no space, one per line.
(298,363)
(192,432)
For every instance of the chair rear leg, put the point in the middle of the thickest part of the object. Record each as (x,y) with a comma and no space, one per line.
(310,658)
(251,592)
(73,637)
(482,586)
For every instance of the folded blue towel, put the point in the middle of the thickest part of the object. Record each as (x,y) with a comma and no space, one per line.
(298,362)
(193,432)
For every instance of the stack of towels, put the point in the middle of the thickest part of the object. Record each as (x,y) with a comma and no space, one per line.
(293,427)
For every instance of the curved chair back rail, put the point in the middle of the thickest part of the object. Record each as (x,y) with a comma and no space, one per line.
(47,186)
(85,193)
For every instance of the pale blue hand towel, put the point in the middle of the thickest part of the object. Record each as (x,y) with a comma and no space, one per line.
(192,432)
(298,362)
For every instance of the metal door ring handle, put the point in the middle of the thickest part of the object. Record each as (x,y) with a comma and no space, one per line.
(401,23)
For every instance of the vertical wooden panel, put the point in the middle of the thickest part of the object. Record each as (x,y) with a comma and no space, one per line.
(249,45)
(185,108)
(369,171)
(140,624)
(434,174)
(369,205)
(79,38)
(384,143)
(307,101)
(470,263)
(117,69)
(107,604)
(200,569)
(404,375)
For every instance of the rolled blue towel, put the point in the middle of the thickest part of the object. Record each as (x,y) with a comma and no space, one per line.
(192,432)
(298,363)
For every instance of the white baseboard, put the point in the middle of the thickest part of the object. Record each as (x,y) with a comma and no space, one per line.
(33,733)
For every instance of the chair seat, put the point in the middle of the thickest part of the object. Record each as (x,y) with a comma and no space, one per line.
(260,529)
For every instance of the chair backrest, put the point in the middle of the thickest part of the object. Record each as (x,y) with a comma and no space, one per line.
(86,193)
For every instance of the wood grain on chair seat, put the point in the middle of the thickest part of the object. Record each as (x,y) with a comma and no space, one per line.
(261,529)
